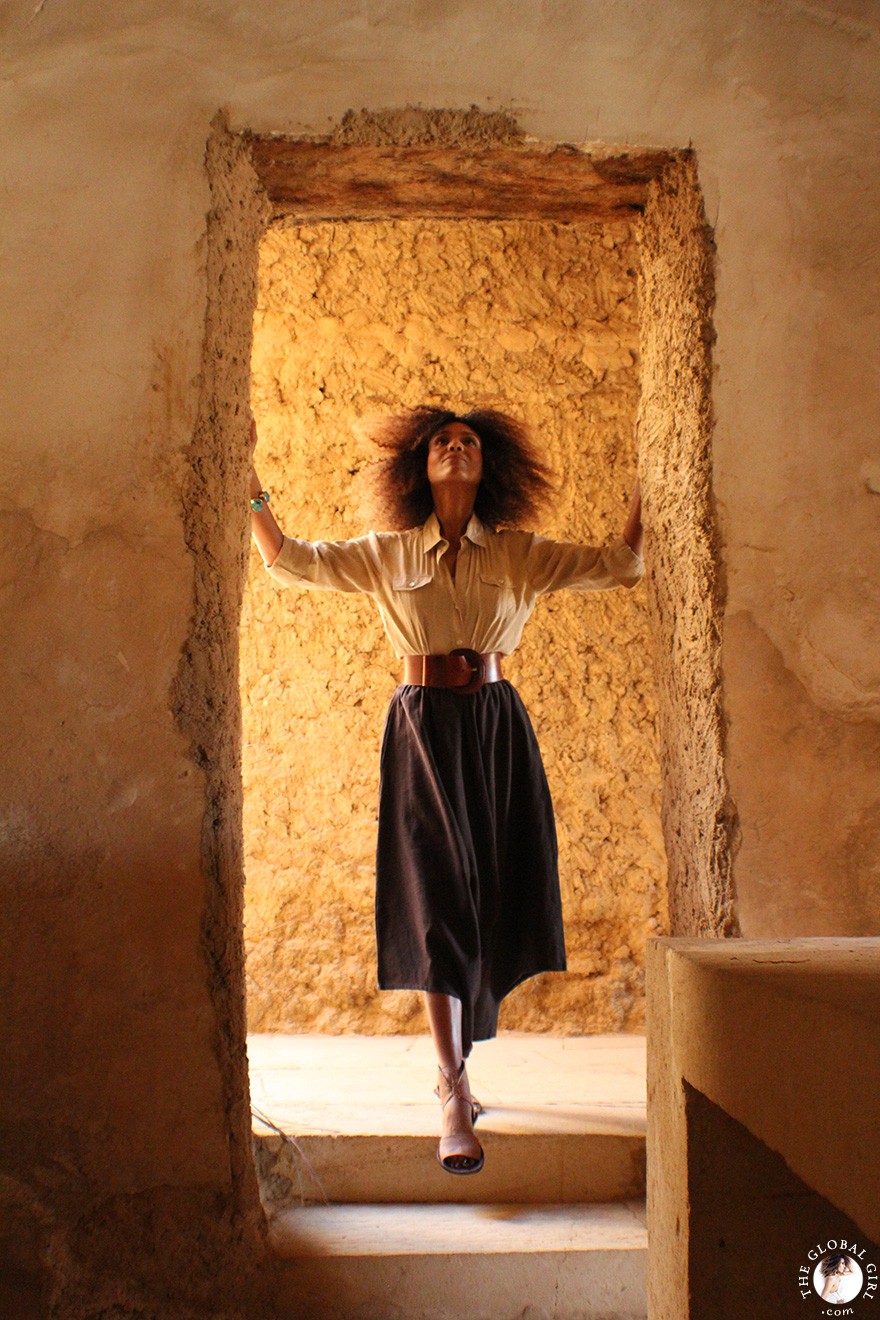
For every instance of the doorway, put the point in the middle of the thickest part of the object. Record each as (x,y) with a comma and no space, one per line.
(256,182)
(362,318)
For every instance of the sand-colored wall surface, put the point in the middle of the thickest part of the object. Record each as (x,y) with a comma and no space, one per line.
(353,320)
(124,1134)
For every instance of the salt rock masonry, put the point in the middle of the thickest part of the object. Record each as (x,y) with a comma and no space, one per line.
(360,319)
(126,1183)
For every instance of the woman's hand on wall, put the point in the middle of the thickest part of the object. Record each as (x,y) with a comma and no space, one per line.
(255,486)
(632,532)
(264,529)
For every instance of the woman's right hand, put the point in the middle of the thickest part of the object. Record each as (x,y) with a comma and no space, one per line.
(264,528)
(255,485)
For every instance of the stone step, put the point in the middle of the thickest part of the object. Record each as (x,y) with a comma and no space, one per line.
(461,1262)
(594,1164)
(564,1120)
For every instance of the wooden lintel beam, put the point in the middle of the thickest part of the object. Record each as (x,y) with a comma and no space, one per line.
(322,181)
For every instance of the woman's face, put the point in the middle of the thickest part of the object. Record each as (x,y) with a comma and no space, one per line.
(455,456)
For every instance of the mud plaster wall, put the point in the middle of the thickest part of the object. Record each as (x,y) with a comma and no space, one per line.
(121,904)
(357,319)
(685,586)
(115,1081)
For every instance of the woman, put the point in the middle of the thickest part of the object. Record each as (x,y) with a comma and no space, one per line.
(836,1287)
(467,887)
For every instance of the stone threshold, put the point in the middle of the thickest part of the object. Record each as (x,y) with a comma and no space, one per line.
(314,1143)
(383,1085)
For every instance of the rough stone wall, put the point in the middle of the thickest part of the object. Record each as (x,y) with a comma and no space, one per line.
(111,1200)
(684,569)
(352,320)
(185,1237)
(204,691)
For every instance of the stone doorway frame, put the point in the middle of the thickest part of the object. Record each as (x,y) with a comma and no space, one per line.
(254,180)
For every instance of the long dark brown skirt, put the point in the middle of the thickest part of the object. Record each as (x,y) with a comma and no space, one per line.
(467,881)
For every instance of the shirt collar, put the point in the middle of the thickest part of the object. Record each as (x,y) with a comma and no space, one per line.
(432,535)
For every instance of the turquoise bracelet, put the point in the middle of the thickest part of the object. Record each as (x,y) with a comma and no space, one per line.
(259,500)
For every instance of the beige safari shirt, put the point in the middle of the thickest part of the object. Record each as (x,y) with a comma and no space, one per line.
(498,578)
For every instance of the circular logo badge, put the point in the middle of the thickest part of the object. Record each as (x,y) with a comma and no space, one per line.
(840,1275)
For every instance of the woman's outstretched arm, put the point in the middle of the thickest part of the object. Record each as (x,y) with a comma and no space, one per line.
(632,532)
(264,528)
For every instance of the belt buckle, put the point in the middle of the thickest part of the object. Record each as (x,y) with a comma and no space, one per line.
(477,664)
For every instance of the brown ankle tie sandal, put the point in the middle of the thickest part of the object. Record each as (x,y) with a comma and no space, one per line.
(453,1082)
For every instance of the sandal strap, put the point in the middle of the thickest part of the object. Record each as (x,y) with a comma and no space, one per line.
(452,1081)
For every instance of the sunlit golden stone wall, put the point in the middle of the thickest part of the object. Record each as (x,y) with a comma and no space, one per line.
(354,319)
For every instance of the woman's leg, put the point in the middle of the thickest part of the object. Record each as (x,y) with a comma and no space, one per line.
(444,1018)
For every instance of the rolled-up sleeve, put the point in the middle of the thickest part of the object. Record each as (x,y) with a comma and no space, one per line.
(558,565)
(328,565)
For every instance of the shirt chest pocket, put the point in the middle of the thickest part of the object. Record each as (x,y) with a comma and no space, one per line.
(408,583)
(497,588)
(500,581)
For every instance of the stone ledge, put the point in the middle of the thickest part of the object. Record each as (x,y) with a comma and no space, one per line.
(462,1263)
(780,1036)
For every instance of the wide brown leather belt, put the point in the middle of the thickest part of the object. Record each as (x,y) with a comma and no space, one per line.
(462,670)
